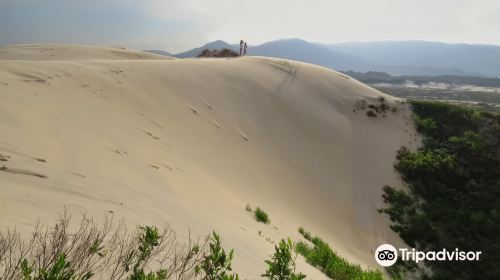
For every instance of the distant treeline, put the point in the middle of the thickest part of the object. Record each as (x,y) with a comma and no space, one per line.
(373,77)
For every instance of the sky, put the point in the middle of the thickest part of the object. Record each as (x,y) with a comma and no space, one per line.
(178,25)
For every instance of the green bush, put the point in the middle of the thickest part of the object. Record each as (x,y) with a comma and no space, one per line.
(282,264)
(261,216)
(149,238)
(321,256)
(60,270)
(97,251)
(452,197)
(216,264)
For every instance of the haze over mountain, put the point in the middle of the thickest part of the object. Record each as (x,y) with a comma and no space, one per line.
(219,44)
(300,50)
(295,49)
(479,59)
(395,58)
(160,52)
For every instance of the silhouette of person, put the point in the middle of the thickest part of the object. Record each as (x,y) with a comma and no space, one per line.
(245,49)
(241,46)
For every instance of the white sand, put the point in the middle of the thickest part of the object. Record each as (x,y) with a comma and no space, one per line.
(191,142)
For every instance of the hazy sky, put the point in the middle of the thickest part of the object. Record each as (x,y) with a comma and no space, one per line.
(177,25)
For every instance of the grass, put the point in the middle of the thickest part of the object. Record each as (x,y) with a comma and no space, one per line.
(261,216)
(321,256)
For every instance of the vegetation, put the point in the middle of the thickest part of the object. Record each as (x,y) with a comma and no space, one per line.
(216,264)
(282,264)
(148,239)
(218,53)
(261,216)
(248,208)
(464,90)
(97,250)
(452,199)
(109,251)
(60,270)
(380,107)
(321,255)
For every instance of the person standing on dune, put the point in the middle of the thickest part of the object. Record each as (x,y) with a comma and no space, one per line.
(241,46)
(245,49)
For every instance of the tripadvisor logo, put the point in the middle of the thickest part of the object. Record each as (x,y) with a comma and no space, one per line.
(387,255)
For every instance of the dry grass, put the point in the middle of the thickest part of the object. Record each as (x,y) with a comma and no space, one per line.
(100,248)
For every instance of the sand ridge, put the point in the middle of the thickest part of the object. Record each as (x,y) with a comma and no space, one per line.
(72,52)
(192,141)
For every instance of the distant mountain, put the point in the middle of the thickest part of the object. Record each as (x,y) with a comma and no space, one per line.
(300,50)
(425,58)
(396,58)
(160,52)
(418,70)
(215,45)
(295,49)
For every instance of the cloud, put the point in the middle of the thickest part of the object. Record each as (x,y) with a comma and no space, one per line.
(340,20)
(180,24)
(110,22)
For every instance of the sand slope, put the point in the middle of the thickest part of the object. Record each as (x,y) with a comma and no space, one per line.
(72,52)
(191,142)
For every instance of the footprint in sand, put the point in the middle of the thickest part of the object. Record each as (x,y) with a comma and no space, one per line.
(115,71)
(151,135)
(209,106)
(216,124)
(36,80)
(149,119)
(4,157)
(243,135)
(193,110)
(78,174)
(168,167)
(118,152)
(154,166)
(21,172)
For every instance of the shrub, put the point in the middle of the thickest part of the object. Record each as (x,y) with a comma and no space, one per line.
(261,216)
(218,53)
(282,264)
(453,189)
(305,234)
(60,270)
(216,264)
(105,250)
(248,208)
(321,256)
(149,238)
(371,114)
(381,106)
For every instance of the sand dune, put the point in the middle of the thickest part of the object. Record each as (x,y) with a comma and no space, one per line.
(72,52)
(192,141)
